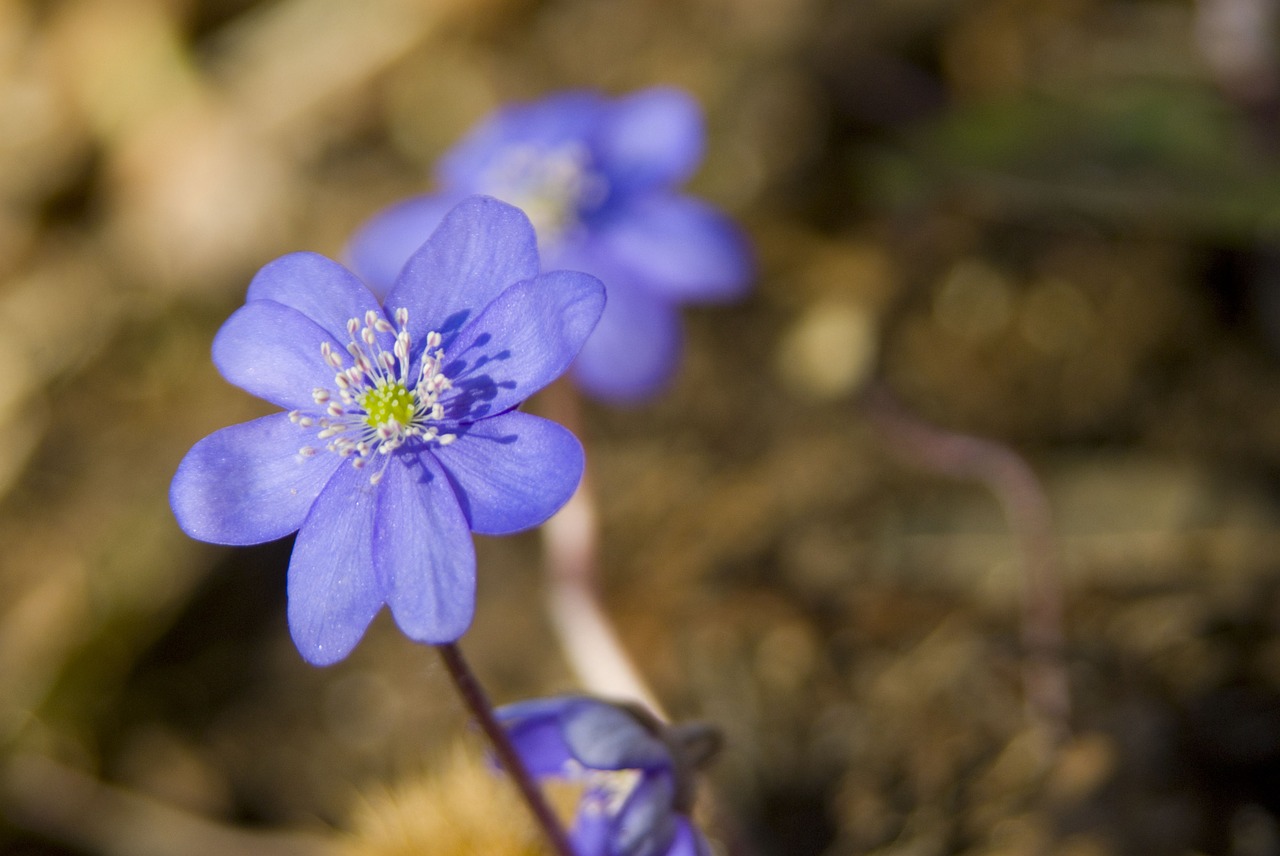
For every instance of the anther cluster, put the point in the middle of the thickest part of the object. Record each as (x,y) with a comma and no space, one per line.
(379,405)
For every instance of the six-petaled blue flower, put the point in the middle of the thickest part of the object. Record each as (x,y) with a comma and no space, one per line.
(635,773)
(599,179)
(400,436)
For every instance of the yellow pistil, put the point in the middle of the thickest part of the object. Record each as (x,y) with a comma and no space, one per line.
(388,401)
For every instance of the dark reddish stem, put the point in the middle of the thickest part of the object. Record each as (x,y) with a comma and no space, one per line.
(477,702)
(1026,508)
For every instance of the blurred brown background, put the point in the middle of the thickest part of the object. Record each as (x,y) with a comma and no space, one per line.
(1052,224)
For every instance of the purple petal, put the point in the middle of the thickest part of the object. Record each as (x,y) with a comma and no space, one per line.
(247,484)
(536,732)
(512,472)
(646,823)
(385,242)
(318,287)
(597,734)
(679,248)
(635,349)
(273,351)
(525,339)
(482,247)
(603,736)
(651,139)
(552,122)
(423,551)
(333,590)
(592,827)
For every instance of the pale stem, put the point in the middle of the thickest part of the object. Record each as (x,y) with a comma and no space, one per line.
(590,644)
(593,649)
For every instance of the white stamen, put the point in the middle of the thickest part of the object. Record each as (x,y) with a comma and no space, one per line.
(555,186)
(376,409)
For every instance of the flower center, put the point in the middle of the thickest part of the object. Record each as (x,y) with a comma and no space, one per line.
(379,405)
(555,187)
(388,403)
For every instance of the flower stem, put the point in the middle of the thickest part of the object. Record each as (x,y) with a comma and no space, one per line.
(473,695)
(570,545)
(587,636)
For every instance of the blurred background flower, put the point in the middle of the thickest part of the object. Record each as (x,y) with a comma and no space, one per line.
(1051,224)
(600,178)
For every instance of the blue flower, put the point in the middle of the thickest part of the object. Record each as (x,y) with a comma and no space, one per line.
(599,179)
(400,435)
(635,772)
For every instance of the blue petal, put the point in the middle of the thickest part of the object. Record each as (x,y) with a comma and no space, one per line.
(688,841)
(273,351)
(603,736)
(597,734)
(567,117)
(635,349)
(482,247)
(333,590)
(592,827)
(525,339)
(247,484)
(646,823)
(423,552)
(512,472)
(318,287)
(652,138)
(679,248)
(385,242)
(536,732)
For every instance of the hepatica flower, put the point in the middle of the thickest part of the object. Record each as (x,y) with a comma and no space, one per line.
(635,772)
(599,177)
(399,435)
